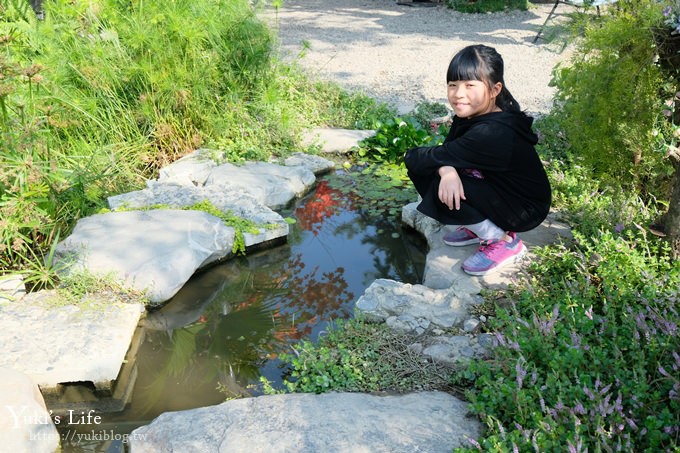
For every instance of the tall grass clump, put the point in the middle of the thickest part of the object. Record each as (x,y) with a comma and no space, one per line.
(100,94)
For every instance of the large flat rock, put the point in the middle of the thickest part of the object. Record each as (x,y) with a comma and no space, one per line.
(155,252)
(270,224)
(432,422)
(333,140)
(54,344)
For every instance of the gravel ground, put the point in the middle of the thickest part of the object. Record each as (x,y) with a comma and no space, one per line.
(399,54)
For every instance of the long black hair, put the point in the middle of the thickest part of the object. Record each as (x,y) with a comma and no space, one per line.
(483,63)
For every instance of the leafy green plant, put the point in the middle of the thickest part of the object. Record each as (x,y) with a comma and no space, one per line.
(395,137)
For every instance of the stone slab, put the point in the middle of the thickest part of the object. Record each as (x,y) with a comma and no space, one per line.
(271,225)
(443,263)
(431,422)
(332,140)
(409,307)
(316,164)
(25,423)
(154,252)
(56,344)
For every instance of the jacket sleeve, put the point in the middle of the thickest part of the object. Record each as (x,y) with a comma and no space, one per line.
(485,146)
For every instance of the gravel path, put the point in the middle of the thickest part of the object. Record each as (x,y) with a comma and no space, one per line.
(399,54)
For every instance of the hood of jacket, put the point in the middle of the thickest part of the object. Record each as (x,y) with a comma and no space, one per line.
(520,122)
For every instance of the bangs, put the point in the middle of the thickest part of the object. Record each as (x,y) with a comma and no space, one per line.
(467,65)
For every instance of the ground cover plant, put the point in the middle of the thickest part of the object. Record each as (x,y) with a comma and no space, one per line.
(357,356)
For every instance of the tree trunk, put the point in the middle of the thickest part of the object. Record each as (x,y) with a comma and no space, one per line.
(672,221)
(37,6)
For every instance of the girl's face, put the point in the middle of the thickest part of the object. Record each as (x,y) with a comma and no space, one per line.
(470,98)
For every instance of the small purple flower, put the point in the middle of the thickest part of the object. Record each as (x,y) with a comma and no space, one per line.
(534,442)
(667,11)
(474,442)
(588,393)
(579,409)
(501,429)
(521,373)
(606,389)
(619,227)
(673,393)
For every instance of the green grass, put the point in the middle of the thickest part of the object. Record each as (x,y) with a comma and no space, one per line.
(102,94)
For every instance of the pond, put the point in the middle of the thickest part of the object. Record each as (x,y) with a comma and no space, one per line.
(226,328)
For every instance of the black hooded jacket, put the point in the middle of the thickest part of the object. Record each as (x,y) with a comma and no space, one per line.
(514,192)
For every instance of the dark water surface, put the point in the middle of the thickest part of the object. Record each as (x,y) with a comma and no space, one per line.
(224,330)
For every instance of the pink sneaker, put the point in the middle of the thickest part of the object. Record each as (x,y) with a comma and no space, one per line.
(460,236)
(494,254)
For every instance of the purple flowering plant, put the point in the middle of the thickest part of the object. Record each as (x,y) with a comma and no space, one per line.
(671,14)
(587,358)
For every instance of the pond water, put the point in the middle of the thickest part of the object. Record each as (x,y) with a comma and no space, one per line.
(226,328)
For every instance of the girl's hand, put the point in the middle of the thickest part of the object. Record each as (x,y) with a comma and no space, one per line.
(450,188)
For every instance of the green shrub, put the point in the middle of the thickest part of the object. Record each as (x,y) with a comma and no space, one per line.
(610,100)
(359,356)
(487,6)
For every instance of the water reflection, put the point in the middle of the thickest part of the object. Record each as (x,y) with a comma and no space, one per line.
(225,328)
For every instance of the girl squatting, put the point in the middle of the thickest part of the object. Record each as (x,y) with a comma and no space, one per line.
(486,179)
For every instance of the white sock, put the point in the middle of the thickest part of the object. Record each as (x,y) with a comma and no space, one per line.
(486,230)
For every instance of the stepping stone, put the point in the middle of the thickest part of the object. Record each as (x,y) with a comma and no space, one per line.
(335,140)
(54,344)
